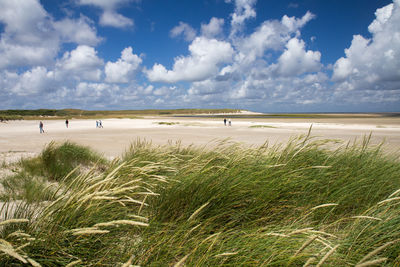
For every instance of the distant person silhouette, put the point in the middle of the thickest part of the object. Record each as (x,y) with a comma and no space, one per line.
(41,127)
(225,121)
(100,124)
(66,122)
(230,122)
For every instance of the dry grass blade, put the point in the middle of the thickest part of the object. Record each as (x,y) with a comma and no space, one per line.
(323,242)
(276,234)
(194,214)
(327,255)
(14,221)
(91,232)
(309,261)
(138,217)
(129,262)
(73,263)
(324,205)
(12,253)
(394,193)
(366,217)
(373,262)
(182,261)
(211,236)
(323,233)
(388,200)
(276,165)
(376,251)
(305,244)
(22,246)
(320,167)
(33,262)
(4,243)
(299,231)
(226,254)
(18,234)
(119,222)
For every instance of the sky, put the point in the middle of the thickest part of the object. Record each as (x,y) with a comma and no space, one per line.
(259,55)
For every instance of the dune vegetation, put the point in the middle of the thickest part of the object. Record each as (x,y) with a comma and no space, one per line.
(298,204)
(22,114)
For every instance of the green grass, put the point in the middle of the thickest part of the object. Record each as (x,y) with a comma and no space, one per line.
(230,205)
(58,161)
(35,178)
(167,123)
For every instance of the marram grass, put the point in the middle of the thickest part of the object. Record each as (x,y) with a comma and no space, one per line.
(299,204)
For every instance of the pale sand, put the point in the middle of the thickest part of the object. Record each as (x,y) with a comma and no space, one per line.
(22,138)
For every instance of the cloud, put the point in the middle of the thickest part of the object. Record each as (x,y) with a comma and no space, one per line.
(82,63)
(105,4)
(183,29)
(32,37)
(293,23)
(373,64)
(205,57)
(213,28)
(295,60)
(85,89)
(33,82)
(110,17)
(244,10)
(269,67)
(254,77)
(80,31)
(28,37)
(122,71)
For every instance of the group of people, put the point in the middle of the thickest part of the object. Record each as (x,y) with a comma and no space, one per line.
(41,125)
(99,124)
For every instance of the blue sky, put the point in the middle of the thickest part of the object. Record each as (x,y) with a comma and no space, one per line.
(265,55)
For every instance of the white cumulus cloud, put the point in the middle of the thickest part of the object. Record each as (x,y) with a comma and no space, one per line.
(123,69)
(33,82)
(82,63)
(295,60)
(373,64)
(33,37)
(28,37)
(78,31)
(205,57)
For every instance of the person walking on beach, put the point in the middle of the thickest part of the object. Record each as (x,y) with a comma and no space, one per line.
(41,127)
(97,124)
(230,122)
(100,124)
(225,121)
(66,122)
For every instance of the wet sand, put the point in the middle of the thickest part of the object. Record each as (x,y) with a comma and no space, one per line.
(22,138)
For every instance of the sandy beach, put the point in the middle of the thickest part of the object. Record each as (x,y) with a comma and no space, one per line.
(22,138)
